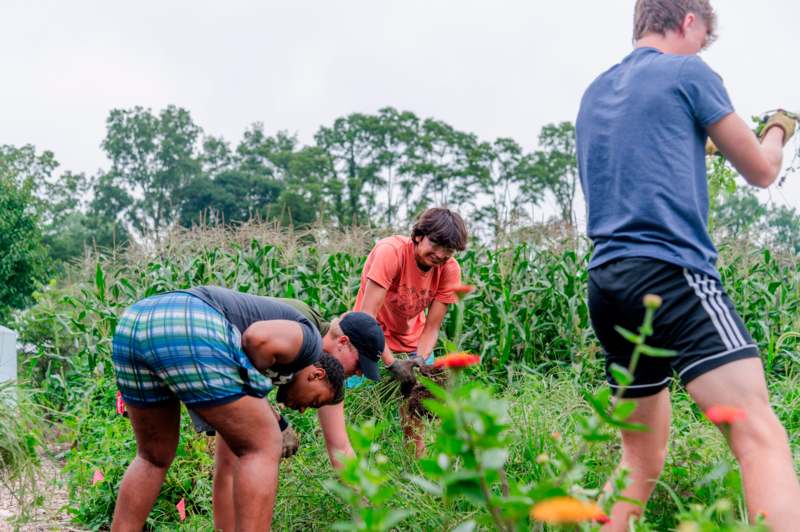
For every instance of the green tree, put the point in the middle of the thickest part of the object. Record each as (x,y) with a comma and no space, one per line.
(508,182)
(351,151)
(557,166)
(738,213)
(23,256)
(783,225)
(446,165)
(152,158)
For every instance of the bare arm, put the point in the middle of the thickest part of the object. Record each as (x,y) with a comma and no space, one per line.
(331,419)
(433,322)
(758,163)
(272,342)
(374,295)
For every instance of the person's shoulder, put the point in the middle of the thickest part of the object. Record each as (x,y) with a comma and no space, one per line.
(451,266)
(395,241)
(392,244)
(693,67)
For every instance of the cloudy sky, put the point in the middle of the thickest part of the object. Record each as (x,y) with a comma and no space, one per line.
(496,68)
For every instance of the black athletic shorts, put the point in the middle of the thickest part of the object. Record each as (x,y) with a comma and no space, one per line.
(696,319)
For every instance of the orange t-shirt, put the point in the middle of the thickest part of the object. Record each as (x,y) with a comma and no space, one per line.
(409,290)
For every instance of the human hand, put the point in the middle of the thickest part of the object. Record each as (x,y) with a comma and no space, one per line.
(783,120)
(403,371)
(290,443)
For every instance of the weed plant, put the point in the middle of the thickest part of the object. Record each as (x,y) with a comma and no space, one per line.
(527,319)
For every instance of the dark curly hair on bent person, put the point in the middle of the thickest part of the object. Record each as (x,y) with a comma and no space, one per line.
(442,227)
(334,372)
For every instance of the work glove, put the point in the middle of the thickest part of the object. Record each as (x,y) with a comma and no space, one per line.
(290,442)
(403,371)
(711,148)
(782,120)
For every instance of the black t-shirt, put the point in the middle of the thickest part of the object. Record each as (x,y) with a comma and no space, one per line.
(242,310)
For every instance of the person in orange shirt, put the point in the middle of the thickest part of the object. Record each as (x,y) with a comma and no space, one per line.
(402,278)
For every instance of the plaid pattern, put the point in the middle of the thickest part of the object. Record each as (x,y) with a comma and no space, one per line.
(176,345)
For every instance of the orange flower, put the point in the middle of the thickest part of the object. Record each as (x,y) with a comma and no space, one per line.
(462,290)
(456,360)
(725,414)
(560,510)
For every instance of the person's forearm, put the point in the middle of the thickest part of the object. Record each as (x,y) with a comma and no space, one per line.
(427,342)
(773,149)
(336,453)
(387,356)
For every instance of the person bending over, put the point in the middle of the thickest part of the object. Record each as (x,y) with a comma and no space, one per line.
(176,347)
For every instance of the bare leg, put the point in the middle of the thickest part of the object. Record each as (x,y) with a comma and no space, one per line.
(251,432)
(759,442)
(222,491)
(156,430)
(643,454)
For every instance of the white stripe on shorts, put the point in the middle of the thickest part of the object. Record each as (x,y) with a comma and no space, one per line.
(716,294)
(712,357)
(642,385)
(713,312)
(703,284)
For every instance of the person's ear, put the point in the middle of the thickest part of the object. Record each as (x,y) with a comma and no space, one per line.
(343,339)
(688,21)
(317,374)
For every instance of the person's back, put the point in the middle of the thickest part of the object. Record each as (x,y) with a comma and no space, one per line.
(640,138)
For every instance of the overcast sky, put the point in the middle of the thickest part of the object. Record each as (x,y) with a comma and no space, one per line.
(495,68)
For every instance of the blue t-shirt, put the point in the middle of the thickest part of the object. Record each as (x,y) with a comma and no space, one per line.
(641,134)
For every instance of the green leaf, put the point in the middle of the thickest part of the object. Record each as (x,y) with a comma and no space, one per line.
(426,485)
(656,351)
(628,335)
(394,518)
(620,374)
(100,283)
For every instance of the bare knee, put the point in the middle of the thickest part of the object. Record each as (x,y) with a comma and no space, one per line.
(159,458)
(644,461)
(760,432)
(270,443)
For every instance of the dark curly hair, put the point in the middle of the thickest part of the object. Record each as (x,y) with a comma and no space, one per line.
(335,375)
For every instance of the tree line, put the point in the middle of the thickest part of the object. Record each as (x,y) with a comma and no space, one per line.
(377,170)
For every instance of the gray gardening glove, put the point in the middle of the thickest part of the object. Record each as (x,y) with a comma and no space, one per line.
(403,371)
(290,442)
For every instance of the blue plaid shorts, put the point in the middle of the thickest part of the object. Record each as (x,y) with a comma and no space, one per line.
(175,345)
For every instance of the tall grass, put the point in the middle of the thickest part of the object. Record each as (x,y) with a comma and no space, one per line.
(527,317)
(20,442)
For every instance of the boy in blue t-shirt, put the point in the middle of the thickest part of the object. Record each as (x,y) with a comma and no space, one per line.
(641,135)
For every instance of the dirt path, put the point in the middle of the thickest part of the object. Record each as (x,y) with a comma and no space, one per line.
(50,515)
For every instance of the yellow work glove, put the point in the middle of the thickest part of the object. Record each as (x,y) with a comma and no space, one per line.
(780,119)
(711,148)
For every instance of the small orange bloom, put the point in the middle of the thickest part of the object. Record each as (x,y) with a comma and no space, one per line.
(725,414)
(462,290)
(457,360)
(561,510)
